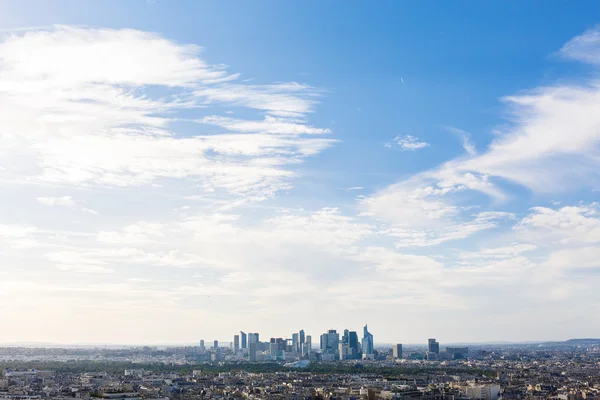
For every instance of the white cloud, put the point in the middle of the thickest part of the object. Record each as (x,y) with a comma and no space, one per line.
(64,201)
(103,111)
(466,140)
(276,125)
(579,225)
(410,143)
(585,47)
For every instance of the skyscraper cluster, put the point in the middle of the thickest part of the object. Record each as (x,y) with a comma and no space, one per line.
(348,348)
(332,346)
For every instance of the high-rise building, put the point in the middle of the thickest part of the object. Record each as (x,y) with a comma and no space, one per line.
(216,345)
(397,350)
(302,338)
(253,338)
(345,337)
(252,351)
(295,343)
(244,342)
(236,343)
(343,350)
(308,344)
(433,346)
(368,345)
(329,342)
(353,347)
(202,346)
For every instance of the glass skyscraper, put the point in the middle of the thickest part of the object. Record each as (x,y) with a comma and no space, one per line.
(367,342)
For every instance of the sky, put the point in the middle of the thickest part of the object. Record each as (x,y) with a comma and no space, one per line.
(177,171)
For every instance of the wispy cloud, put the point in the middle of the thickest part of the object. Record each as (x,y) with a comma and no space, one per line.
(408,143)
(64,201)
(100,125)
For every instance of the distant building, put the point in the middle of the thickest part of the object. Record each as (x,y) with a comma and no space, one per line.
(216,345)
(329,342)
(253,338)
(252,351)
(295,343)
(236,343)
(433,346)
(343,351)
(302,336)
(244,340)
(397,350)
(202,348)
(483,392)
(307,346)
(353,347)
(368,345)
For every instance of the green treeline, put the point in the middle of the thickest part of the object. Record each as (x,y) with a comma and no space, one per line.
(116,367)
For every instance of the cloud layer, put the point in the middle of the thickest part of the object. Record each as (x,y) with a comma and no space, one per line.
(146,184)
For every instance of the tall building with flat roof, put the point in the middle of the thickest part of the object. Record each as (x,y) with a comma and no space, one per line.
(353,347)
(216,345)
(433,346)
(236,343)
(252,351)
(397,350)
(253,338)
(202,346)
(244,340)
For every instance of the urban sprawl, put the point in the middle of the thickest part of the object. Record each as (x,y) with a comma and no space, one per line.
(339,366)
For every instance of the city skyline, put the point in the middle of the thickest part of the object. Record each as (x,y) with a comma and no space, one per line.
(171,171)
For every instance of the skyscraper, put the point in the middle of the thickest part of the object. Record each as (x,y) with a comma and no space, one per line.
(329,342)
(353,350)
(302,338)
(252,351)
(244,342)
(202,346)
(295,343)
(345,337)
(236,343)
(252,338)
(216,345)
(433,346)
(367,342)
(343,351)
(308,345)
(397,350)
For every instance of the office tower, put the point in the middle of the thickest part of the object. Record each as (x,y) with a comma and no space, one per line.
(367,342)
(253,338)
(236,343)
(345,337)
(216,345)
(308,343)
(244,340)
(353,346)
(252,351)
(273,348)
(202,346)
(433,346)
(329,342)
(397,350)
(343,351)
(302,338)
(295,343)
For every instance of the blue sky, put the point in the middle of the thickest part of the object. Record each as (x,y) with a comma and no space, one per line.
(271,166)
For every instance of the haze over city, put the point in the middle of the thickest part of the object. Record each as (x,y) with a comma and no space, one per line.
(172,171)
